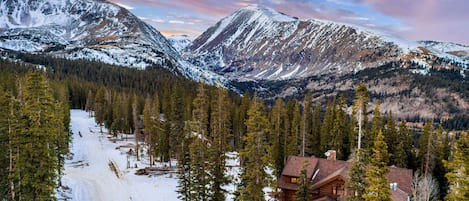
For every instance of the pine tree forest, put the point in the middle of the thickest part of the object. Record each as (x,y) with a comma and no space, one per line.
(198,124)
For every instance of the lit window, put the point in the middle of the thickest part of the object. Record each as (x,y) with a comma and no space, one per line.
(338,190)
(293,180)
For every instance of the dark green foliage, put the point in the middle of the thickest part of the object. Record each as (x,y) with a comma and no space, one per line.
(376,176)
(458,170)
(303,191)
(255,155)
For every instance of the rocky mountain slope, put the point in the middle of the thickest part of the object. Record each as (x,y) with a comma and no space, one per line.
(259,43)
(180,42)
(93,30)
(275,54)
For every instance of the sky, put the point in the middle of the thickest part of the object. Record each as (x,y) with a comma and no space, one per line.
(441,20)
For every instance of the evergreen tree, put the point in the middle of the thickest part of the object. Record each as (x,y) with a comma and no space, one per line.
(327,128)
(278,142)
(292,146)
(426,143)
(220,131)
(376,177)
(458,170)
(359,114)
(35,161)
(255,154)
(100,106)
(315,139)
(339,134)
(199,157)
(356,183)
(442,152)
(392,140)
(306,120)
(89,107)
(304,187)
(6,100)
(376,126)
(403,152)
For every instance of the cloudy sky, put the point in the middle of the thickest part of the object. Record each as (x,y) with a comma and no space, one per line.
(442,20)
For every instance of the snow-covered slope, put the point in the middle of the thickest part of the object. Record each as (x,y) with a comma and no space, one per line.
(90,29)
(259,43)
(179,42)
(458,50)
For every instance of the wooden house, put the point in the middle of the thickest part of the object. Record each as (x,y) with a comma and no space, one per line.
(328,177)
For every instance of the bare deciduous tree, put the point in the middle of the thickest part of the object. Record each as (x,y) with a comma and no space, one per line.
(424,188)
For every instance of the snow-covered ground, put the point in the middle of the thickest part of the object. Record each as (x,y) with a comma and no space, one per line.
(90,178)
(88,175)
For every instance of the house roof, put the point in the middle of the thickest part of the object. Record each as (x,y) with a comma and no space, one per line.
(294,164)
(323,171)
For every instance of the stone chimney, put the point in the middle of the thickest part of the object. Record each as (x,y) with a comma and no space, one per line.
(331,155)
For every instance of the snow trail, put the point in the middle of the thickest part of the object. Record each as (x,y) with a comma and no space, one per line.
(90,177)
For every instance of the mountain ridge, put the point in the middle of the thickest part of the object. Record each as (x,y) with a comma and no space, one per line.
(93,30)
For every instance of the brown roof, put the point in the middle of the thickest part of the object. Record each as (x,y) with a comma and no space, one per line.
(328,170)
(340,173)
(328,167)
(294,164)
(401,176)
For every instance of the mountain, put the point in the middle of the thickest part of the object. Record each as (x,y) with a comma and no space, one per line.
(93,30)
(277,55)
(179,42)
(259,43)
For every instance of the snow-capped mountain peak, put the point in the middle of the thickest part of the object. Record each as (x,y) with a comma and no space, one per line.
(269,12)
(259,43)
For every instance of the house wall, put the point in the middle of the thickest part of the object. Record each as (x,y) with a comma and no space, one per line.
(328,189)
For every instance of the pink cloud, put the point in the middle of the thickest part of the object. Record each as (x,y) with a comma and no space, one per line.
(429,19)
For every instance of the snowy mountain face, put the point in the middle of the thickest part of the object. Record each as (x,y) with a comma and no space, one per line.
(93,30)
(458,50)
(180,42)
(258,43)
(277,55)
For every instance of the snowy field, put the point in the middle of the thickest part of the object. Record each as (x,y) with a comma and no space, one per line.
(89,176)
(97,168)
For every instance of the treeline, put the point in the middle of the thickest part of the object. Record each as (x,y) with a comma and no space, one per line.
(34,133)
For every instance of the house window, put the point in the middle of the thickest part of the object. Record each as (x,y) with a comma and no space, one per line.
(294,180)
(338,190)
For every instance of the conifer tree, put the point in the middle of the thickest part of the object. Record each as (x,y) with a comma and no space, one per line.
(442,152)
(89,106)
(306,120)
(199,156)
(255,154)
(6,100)
(327,127)
(458,170)
(359,114)
(220,131)
(315,139)
(376,177)
(35,161)
(426,143)
(376,126)
(339,134)
(356,183)
(277,120)
(293,142)
(100,106)
(403,155)
(391,139)
(303,191)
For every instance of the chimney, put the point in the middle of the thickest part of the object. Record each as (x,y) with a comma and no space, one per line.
(331,155)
